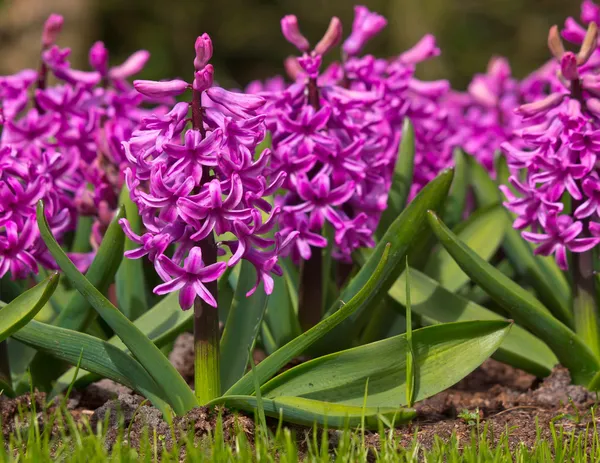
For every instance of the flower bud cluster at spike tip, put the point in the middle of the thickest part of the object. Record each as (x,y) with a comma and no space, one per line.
(558,145)
(62,144)
(193,183)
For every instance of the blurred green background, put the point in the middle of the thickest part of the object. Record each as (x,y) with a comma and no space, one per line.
(247,40)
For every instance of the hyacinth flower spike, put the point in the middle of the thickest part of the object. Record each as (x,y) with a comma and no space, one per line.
(559,152)
(196,184)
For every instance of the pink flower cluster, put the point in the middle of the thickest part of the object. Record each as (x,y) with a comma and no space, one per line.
(195,177)
(61,143)
(557,201)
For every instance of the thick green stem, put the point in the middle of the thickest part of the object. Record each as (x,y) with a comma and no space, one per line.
(587,324)
(207,373)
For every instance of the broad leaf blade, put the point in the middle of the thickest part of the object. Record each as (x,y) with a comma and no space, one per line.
(483,232)
(162,324)
(98,356)
(443,355)
(130,281)
(526,309)
(274,362)
(78,314)
(158,366)
(21,310)
(241,328)
(410,226)
(436,305)
(310,412)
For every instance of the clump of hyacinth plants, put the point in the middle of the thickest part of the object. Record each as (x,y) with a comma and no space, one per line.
(222,214)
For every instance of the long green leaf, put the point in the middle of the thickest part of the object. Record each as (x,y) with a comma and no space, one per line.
(408,227)
(273,363)
(162,324)
(78,314)
(436,305)
(96,355)
(280,317)
(443,355)
(483,232)
(550,284)
(158,366)
(241,329)
(457,198)
(310,412)
(526,309)
(403,177)
(21,310)
(130,282)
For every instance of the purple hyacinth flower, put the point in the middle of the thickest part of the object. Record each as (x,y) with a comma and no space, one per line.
(560,235)
(190,279)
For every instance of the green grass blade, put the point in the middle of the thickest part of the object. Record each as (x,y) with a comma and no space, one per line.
(408,227)
(443,355)
(435,305)
(402,180)
(526,309)
(273,363)
(542,274)
(130,282)
(158,366)
(98,356)
(162,324)
(483,232)
(410,360)
(23,308)
(241,328)
(310,412)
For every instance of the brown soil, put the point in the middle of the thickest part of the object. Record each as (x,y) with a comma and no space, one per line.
(504,397)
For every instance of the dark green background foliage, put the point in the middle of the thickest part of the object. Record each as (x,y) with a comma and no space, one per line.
(247,40)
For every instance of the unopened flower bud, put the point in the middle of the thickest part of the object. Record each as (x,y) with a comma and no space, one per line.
(331,38)
(537,107)
(365,26)
(132,65)
(291,32)
(568,66)
(292,67)
(555,43)
(204,51)
(589,44)
(98,58)
(161,89)
(52,28)
(203,79)
(590,12)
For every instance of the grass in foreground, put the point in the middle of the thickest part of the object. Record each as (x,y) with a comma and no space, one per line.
(63,439)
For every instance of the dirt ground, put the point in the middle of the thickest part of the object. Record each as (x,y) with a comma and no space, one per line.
(505,399)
